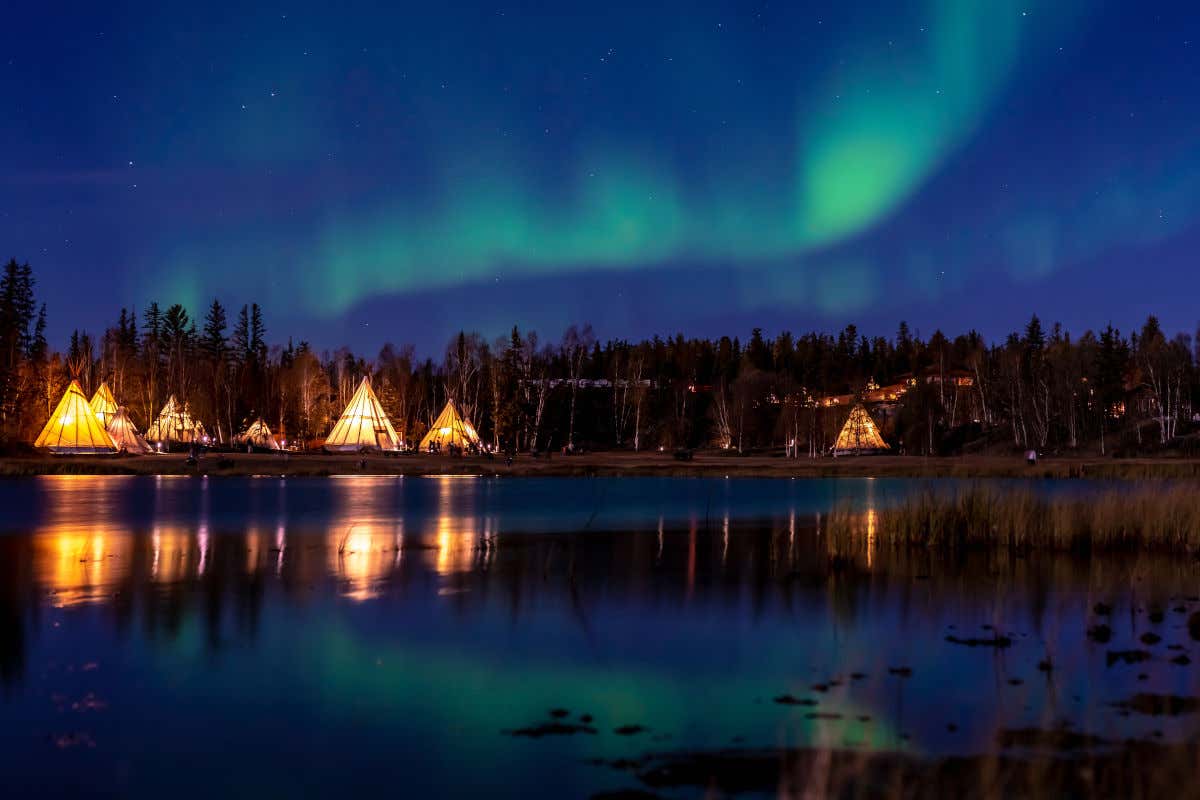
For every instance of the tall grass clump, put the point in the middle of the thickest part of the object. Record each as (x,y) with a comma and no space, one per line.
(1152,518)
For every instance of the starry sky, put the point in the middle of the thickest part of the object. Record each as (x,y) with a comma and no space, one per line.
(390,171)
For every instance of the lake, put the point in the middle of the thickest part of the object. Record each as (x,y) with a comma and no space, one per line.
(517,637)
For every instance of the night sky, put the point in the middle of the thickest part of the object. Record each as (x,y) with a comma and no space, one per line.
(370,173)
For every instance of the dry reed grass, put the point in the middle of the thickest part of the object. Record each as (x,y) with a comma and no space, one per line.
(1159,517)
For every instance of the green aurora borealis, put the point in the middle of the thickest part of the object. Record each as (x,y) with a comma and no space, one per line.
(864,139)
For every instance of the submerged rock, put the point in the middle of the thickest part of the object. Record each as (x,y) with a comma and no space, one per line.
(1193,624)
(788,700)
(629,730)
(1150,638)
(900,672)
(551,729)
(997,641)
(1126,656)
(1101,609)
(1099,633)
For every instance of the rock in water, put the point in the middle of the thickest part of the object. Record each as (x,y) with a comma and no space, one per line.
(1126,656)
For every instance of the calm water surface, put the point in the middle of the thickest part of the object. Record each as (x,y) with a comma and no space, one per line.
(266,637)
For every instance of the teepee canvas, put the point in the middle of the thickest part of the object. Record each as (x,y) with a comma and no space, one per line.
(451,430)
(258,436)
(363,425)
(73,428)
(175,424)
(125,434)
(103,404)
(860,435)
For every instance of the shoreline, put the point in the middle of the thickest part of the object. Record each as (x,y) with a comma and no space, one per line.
(607,464)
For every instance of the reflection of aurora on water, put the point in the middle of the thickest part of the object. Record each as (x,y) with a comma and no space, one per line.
(367,549)
(438,624)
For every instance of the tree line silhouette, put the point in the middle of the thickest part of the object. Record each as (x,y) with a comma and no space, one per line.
(1037,389)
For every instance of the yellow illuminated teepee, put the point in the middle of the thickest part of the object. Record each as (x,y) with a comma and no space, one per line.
(363,425)
(258,436)
(103,404)
(125,434)
(175,424)
(451,430)
(73,427)
(859,435)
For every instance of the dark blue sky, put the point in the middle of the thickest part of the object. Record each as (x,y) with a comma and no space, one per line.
(372,172)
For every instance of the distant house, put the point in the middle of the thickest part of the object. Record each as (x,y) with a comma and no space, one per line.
(959,378)
(601,383)
(884,394)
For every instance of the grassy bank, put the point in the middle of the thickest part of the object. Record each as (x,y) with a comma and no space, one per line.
(1032,764)
(704,463)
(1157,517)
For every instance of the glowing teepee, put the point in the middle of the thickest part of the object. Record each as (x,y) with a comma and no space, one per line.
(125,434)
(450,429)
(73,427)
(258,436)
(104,404)
(859,435)
(175,424)
(363,425)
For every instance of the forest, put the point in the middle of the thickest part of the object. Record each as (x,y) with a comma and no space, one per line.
(1040,388)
